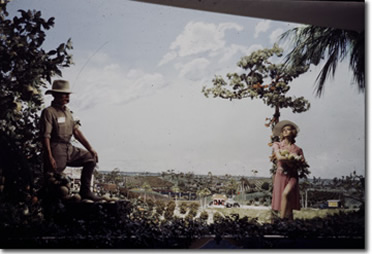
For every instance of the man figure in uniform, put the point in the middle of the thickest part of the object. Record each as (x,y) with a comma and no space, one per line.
(57,128)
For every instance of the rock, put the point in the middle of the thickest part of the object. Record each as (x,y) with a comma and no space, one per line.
(63,191)
(87,201)
(75,198)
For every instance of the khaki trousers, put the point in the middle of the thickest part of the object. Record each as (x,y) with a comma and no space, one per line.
(66,154)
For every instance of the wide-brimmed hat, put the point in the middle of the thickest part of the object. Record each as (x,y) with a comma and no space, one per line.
(59,86)
(279,126)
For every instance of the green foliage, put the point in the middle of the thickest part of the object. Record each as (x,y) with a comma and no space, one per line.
(194,206)
(150,203)
(123,225)
(24,69)
(169,211)
(190,216)
(204,215)
(183,208)
(265,186)
(193,212)
(313,44)
(217,217)
(231,187)
(160,207)
(353,185)
(204,192)
(262,79)
(113,176)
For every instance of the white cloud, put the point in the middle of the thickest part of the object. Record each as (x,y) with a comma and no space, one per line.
(97,84)
(193,70)
(134,73)
(274,36)
(201,43)
(228,53)
(168,57)
(261,27)
(200,37)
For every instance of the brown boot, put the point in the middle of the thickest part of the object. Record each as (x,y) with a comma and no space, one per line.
(86,177)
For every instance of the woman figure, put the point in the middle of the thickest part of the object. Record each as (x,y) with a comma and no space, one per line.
(286,192)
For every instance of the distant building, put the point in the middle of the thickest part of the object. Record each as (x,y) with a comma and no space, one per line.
(108,187)
(336,203)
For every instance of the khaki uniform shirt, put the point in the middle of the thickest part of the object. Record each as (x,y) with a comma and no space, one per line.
(57,124)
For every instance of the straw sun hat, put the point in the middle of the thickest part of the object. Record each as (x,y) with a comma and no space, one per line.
(279,126)
(59,86)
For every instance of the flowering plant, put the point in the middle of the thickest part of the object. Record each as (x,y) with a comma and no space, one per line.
(295,161)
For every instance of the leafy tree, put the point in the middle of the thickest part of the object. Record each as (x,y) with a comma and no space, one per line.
(232,186)
(98,176)
(312,44)
(25,68)
(203,195)
(353,185)
(210,177)
(147,188)
(183,208)
(244,184)
(113,176)
(204,215)
(176,190)
(262,79)
(265,186)
(190,176)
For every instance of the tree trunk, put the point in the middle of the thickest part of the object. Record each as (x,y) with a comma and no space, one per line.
(276,116)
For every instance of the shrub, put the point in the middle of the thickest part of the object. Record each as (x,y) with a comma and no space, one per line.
(204,215)
(171,206)
(169,211)
(160,207)
(194,206)
(193,212)
(217,217)
(183,208)
(265,186)
(189,217)
(150,203)
(128,227)
(168,214)
(26,68)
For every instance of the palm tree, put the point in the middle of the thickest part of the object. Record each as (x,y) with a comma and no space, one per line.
(176,190)
(113,176)
(244,184)
(313,44)
(146,188)
(203,195)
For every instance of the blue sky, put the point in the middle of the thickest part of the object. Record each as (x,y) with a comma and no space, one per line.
(137,80)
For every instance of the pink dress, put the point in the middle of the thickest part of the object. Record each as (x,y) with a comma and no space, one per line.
(281,179)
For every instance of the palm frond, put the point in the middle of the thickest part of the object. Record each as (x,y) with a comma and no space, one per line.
(312,44)
(357,60)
